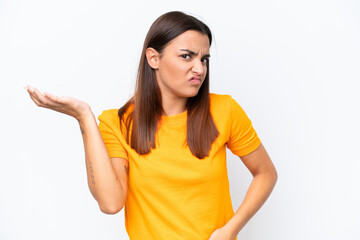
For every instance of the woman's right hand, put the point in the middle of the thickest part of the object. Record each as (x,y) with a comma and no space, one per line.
(106,177)
(67,105)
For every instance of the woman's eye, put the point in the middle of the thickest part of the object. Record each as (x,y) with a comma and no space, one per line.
(205,60)
(186,56)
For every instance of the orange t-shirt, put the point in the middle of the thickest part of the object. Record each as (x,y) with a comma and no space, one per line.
(171,193)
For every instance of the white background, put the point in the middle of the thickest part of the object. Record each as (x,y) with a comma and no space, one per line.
(292,65)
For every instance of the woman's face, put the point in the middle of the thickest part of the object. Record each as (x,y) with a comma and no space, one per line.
(182,66)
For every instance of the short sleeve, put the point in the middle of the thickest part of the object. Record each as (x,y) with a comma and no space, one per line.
(243,137)
(109,127)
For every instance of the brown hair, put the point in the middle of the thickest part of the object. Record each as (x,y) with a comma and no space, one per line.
(147,111)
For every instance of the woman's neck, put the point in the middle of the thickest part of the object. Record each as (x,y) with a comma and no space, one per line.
(173,105)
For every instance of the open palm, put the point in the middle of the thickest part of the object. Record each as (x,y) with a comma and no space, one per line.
(64,104)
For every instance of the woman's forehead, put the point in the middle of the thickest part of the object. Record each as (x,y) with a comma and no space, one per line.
(192,40)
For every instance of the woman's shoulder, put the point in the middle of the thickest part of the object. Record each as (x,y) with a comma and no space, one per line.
(109,112)
(109,116)
(217,97)
(219,100)
(114,113)
(220,106)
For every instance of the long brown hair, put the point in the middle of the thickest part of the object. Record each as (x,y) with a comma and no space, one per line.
(147,105)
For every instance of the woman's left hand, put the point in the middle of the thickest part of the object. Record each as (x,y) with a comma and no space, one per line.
(220,234)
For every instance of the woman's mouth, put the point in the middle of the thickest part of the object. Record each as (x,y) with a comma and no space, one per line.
(195,80)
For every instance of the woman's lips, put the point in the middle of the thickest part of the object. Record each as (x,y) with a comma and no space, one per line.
(195,80)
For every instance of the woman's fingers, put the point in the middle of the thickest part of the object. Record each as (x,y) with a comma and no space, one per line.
(29,88)
(40,98)
(32,94)
(35,100)
(67,105)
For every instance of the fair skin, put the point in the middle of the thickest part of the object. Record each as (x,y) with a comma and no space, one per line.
(107,177)
(180,70)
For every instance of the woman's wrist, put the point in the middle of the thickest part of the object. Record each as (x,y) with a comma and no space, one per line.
(84,115)
(230,229)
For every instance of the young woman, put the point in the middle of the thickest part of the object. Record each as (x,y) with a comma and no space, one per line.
(162,155)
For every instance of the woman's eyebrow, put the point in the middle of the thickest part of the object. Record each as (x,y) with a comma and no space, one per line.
(193,53)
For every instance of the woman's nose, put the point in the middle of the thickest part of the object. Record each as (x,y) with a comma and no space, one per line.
(199,67)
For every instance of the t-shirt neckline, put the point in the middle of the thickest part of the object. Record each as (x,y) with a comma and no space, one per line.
(174,119)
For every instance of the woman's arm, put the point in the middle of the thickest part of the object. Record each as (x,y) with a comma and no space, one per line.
(264,179)
(107,178)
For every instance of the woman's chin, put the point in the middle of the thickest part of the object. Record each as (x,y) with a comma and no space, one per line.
(191,94)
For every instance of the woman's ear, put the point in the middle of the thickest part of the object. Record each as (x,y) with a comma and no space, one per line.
(152,57)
